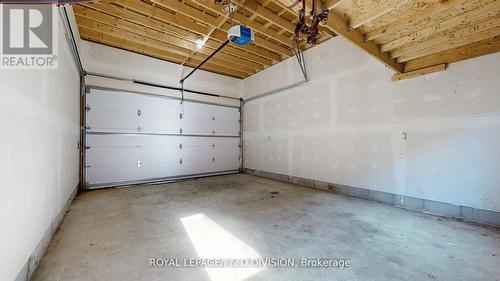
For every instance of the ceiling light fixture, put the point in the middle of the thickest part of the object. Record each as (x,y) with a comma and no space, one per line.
(200,43)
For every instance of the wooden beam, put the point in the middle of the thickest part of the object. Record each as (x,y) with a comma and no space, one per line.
(294,12)
(478,27)
(339,26)
(267,14)
(152,34)
(187,23)
(376,12)
(419,72)
(109,40)
(462,19)
(197,15)
(144,20)
(262,42)
(485,34)
(162,15)
(473,50)
(332,4)
(259,28)
(85,23)
(222,20)
(405,22)
(154,25)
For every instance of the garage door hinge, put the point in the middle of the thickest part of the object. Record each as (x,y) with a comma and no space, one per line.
(87,166)
(87,108)
(87,147)
(87,128)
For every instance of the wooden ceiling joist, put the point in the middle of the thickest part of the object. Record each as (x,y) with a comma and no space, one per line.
(256,8)
(378,11)
(158,45)
(441,40)
(339,26)
(240,18)
(125,44)
(187,23)
(405,35)
(419,72)
(488,10)
(262,42)
(332,4)
(404,22)
(205,38)
(433,17)
(324,32)
(469,51)
(195,14)
(229,55)
(153,34)
(453,43)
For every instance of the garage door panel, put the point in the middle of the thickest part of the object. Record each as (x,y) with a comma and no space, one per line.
(227,126)
(106,120)
(101,156)
(136,138)
(110,111)
(159,124)
(102,175)
(207,119)
(130,102)
(146,170)
(99,120)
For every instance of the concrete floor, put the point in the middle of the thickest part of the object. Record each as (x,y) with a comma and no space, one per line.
(112,234)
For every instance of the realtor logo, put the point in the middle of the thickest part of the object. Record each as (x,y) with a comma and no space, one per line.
(29,34)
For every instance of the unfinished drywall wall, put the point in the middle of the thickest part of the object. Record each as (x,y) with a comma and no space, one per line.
(39,155)
(433,137)
(116,62)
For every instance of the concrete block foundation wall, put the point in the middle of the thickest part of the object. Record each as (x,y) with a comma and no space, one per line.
(407,202)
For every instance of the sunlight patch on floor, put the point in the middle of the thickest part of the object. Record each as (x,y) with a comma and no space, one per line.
(211,241)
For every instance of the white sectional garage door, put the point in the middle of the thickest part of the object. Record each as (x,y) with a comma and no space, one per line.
(135,138)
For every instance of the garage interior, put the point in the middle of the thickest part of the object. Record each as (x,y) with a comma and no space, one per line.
(254,140)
